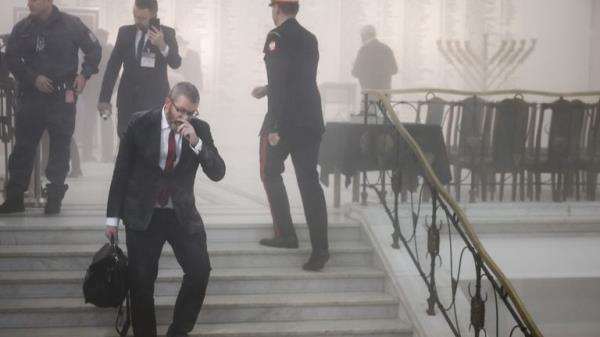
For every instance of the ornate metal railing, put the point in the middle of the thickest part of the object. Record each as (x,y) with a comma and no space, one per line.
(512,135)
(444,231)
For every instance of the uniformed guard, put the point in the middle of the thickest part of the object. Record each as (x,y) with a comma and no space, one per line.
(42,54)
(293,126)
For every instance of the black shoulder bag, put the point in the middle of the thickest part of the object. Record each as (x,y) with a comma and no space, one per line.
(106,283)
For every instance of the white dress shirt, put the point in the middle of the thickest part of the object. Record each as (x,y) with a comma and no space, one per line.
(165,129)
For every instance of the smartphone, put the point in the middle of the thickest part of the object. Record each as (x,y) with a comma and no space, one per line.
(155,22)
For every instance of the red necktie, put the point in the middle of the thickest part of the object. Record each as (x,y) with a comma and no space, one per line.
(163,195)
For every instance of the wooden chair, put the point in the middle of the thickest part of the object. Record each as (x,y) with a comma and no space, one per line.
(464,130)
(556,148)
(508,122)
(436,111)
(590,163)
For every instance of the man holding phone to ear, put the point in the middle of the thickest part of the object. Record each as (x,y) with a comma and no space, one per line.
(144,50)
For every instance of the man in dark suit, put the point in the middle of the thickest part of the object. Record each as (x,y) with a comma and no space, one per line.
(144,52)
(293,126)
(152,191)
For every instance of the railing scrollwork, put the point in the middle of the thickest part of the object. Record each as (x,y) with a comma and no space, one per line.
(446,233)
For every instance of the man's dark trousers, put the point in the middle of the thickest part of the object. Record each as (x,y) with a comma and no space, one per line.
(144,249)
(305,153)
(38,112)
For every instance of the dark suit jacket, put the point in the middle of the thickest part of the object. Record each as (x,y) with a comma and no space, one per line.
(140,88)
(374,66)
(138,178)
(292,58)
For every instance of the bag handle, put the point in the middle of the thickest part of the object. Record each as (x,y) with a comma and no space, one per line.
(125,326)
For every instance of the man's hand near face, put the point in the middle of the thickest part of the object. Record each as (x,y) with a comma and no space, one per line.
(187,131)
(157,38)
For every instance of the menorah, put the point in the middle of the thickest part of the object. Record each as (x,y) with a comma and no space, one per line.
(486,71)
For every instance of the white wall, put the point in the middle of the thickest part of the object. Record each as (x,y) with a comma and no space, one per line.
(230,35)
(595,48)
(6,19)
(562,56)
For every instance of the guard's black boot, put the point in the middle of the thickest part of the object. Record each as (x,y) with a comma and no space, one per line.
(316,261)
(55,195)
(13,204)
(281,242)
(172,333)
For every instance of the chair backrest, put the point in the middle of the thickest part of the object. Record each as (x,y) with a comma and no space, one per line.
(436,108)
(565,131)
(591,133)
(469,127)
(509,124)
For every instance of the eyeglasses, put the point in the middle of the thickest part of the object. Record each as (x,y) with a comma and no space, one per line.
(189,114)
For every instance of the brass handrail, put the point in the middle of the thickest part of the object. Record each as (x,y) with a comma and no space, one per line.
(433,180)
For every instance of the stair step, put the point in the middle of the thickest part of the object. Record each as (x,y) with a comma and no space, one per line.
(95,216)
(222,255)
(339,328)
(61,284)
(25,313)
(90,231)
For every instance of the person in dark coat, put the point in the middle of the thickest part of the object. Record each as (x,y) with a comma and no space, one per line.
(375,63)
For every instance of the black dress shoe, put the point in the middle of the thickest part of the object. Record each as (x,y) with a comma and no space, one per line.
(171,333)
(316,261)
(12,205)
(280,242)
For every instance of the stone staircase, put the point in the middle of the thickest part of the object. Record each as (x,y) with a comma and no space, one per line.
(253,290)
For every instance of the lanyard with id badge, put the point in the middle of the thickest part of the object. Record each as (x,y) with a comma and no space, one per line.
(148,59)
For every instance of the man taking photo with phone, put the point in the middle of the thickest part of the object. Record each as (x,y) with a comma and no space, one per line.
(144,50)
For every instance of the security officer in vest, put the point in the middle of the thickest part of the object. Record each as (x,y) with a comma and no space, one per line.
(43,55)
(293,126)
